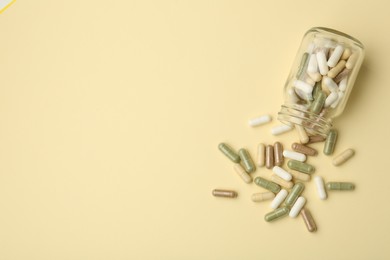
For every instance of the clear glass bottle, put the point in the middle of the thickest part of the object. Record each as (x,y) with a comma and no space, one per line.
(321,79)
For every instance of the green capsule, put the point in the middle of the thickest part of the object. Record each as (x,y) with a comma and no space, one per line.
(303,65)
(317,89)
(266,184)
(246,160)
(294,194)
(276,214)
(318,103)
(229,152)
(301,166)
(340,186)
(330,142)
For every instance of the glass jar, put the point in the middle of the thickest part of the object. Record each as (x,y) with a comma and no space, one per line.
(321,79)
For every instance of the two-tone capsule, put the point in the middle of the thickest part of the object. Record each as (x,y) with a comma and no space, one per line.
(294,194)
(229,152)
(301,166)
(246,160)
(340,186)
(224,193)
(276,214)
(266,184)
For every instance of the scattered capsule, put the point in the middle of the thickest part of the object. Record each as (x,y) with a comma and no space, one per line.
(298,205)
(282,173)
(229,152)
(294,155)
(320,187)
(317,104)
(336,55)
(330,142)
(262,196)
(300,148)
(261,120)
(279,198)
(269,156)
(278,154)
(300,176)
(266,184)
(303,138)
(224,193)
(242,173)
(260,159)
(322,63)
(340,186)
(286,184)
(276,214)
(308,219)
(343,157)
(316,139)
(246,160)
(280,129)
(294,194)
(301,166)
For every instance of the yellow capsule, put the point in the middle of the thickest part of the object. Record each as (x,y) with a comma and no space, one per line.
(300,175)
(343,157)
(303,137)
(286,184)
(242,173)
(262,196)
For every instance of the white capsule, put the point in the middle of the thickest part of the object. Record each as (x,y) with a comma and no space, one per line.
(279,198)
(242,173)
(343,84)
(291,96)
(260,120)
(312,67)
(303,89)
(322,63)
(298,205)
(282,173)
(339,98)
(280,129)
(320,187)
(331,99)
(260,160)
(336,55)
(294,155)
(285,184)
(330,84)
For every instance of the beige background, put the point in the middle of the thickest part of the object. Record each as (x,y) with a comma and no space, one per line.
(111,113)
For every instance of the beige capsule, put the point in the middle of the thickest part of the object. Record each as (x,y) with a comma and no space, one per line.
(342,75)
(347,52)
(285,184)
(352,60)
(269,157)
(308,219)
(343,157)
(278,154)
(300,175)
(337,69)
(303,137)
(260,159)
(262,196)
(316,76)
(242,173)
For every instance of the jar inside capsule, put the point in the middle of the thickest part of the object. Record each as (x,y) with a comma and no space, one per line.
(321,79)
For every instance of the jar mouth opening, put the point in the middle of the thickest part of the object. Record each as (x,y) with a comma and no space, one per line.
(297,115)
(333,31)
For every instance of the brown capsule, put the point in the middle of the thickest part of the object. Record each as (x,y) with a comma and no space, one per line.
(269,157)
(278,154)
(342,75)
(300,148)
(316,139)
(308,219)
(224,193)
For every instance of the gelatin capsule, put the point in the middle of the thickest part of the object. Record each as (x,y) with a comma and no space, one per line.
(352,60)
(300,148)
(294,155)
(303,137)
(301,166)
(303,89)
(343,84)
(242,173)
(229,152)
(322,63)
(300,176)
(343,157)
(315,76)
(282,173)
(337,69)
(341,75)
(318,103)
(279,198)
(246,160)
(347,52)
(269,156)
(294,194)
(308,219)
(266,184)
(339,98)
(303,65)
(340,186)
(261,120)
(330,84)
(276,214)
(330,142)
(331,99)
(316,139)
(224,193)
(298,205)
(312,67)
(320,187)
(336,55)
(260,159)
(286,184)
(280,129)
(262,196)
(278,154)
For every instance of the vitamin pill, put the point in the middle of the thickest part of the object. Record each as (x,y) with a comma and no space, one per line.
(282,173)
(312,66)
(331,99)
(292,97)
(336,55)
(303,89)
(330,84)
(339,98)
(330,142)
(269,156)
(266,184)
(303,65)
(279,198)
(278,154)
(294,194)
(340,186)
(260,120)
(262,196)
(317,88)
(300,176)
(294,155)
(286,184)
(303,138)
(309,81)
(298,205)
(308,219)
(280,129)
(246,160)
(229,152)
(301,166)
(342,75)
(343,157)
(315,76)
(351,61)
(300,148)
(318,103)
(343,84)
(260,159)
(320,187)
(347,52)
(322,63)
(276,214)
(336,70)
(224,193)
(242,173)
(316,139)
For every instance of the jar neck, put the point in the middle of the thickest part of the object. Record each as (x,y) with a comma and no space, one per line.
(314,124)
